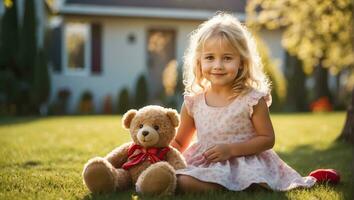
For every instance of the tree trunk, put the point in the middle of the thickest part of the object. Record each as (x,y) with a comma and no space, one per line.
(348,130)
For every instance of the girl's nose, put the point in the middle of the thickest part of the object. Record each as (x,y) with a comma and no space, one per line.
(218,65)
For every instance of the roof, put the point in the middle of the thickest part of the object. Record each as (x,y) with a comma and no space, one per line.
(227,5)
(178,9)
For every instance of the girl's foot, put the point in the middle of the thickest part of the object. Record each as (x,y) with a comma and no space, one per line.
(326,175)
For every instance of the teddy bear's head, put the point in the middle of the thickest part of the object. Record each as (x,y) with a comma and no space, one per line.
(152,126)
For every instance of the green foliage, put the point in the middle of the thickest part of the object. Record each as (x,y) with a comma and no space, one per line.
(317,31)
(41,84)
(9,38)
(33,169)
(123,104)
(9,92)
(276,77)
(86,96)
(28,39)
(27,58)
(141,92)
(297,98)
(9,86)
(19,64)
(60,105)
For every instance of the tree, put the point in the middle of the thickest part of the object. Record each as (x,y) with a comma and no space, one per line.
(9,37)
(9,69)
(41,84)
(318,32)
(28,39)
(348,129)
(27,57)
(315,31)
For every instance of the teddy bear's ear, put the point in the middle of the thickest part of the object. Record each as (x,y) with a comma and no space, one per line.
(174,117)
(128,117)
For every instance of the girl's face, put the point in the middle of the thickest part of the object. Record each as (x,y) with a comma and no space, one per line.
(219,62)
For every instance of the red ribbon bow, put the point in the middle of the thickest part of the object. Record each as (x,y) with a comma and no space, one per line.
(138,154)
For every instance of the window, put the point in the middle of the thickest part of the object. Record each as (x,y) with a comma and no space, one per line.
(77,37)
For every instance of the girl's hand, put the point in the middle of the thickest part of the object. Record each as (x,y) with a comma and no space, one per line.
(218,153)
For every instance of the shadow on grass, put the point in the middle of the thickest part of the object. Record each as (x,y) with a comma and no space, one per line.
(253,192)
(13,120)
(338,156)
(303,159)
(4,121)
(306,158)
(111,196)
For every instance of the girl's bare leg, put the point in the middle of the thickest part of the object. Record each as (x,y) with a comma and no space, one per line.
(188,184)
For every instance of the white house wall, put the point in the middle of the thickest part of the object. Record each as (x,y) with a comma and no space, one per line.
(272,38)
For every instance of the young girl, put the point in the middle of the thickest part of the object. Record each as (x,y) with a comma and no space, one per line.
(226,102)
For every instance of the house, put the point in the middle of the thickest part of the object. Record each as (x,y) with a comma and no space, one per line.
(103,46)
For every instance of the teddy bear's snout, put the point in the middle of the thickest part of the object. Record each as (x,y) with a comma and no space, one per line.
(145,133)
(147,136)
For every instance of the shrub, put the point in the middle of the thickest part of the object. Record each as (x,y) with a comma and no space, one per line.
(141,92)
(9,93)
(86,103)
(322,104)
(123,101)
(107,105)
(60,105)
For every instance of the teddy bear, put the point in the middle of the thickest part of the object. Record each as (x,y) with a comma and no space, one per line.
(148,162)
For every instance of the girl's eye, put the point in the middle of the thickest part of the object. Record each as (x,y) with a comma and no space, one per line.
(156,127)
(141,126)
(209,57)
(228,58)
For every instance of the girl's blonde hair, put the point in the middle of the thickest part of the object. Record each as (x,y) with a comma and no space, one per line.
(228,29)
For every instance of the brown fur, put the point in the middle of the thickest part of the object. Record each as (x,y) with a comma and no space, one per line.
(106,175)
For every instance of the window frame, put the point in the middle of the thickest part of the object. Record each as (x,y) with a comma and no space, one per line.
(85,71)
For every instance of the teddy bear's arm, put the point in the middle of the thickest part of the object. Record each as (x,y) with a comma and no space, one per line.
(175,158)
(119,155)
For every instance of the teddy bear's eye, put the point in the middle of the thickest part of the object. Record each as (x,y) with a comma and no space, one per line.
(141,126)
(156,127)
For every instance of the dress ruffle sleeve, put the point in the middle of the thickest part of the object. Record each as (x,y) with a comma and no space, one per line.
(188,102)
(254,98)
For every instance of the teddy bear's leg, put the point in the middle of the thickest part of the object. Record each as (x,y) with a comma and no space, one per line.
(158,179)
(100,176)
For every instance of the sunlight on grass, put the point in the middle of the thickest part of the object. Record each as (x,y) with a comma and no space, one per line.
(42,158)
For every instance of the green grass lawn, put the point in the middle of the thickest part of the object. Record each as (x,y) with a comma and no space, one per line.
(42,158)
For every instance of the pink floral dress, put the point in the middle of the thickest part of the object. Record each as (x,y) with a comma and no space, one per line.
(230,124)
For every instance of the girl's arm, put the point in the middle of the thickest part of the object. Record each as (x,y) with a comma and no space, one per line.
(185,131)
(264,139)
